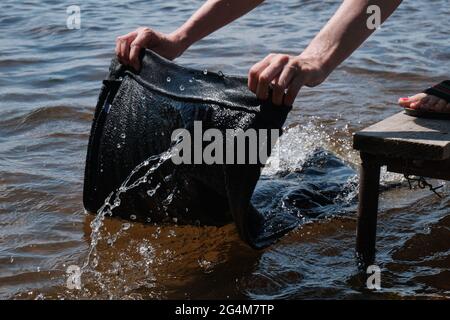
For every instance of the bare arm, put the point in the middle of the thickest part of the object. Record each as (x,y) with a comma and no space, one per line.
(338,39)
(213,15)
(346,31)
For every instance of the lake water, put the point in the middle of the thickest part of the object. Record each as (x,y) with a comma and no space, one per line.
(49,81)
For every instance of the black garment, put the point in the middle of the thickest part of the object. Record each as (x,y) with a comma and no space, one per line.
(134,119)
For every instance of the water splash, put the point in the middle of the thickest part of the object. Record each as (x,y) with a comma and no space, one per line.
(113,201)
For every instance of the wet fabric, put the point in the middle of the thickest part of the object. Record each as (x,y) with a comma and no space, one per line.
(134,119)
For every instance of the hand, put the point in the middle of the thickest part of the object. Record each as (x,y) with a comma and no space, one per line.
(128,46)
(286,75)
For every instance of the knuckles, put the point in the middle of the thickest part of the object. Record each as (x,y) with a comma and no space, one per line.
(253,72)
(145,31)
(263,79)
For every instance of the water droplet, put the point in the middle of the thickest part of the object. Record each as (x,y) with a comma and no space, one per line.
(120,78)
(133,217)
(11,260)
(119,146)
(123,136)
(143,249)
(191,80)
(181,88)
(115,265)
(168,79)
(175,220)
(40,296)
(148,219)
(126,226)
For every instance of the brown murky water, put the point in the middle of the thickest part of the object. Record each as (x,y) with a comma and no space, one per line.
(50,78)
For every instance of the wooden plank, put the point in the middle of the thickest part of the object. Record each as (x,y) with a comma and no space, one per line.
(406,137)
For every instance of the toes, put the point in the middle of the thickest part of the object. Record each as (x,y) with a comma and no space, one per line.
(425,102)
(406,102)
(415,105)
(420,103)
(430,104)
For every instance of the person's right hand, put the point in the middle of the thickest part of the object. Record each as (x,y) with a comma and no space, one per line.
(128,46)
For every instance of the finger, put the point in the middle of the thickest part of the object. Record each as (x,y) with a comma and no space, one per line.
(282,83)
(120,49)
(277,92)
(119,43)
(254,72)
(266,77)
(293,90)
(287,75)
(117,50)
(136,47)
(125,51)
(134,56)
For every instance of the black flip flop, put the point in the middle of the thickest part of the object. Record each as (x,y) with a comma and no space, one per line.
(441,90)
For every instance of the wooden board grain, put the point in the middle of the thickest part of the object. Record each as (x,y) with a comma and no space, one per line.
(407,137)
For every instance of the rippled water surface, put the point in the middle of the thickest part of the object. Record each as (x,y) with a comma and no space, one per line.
(49,80)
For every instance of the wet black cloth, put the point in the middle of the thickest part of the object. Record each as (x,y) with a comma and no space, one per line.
(134,119)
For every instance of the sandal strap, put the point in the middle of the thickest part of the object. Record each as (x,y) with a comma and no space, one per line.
(441,90)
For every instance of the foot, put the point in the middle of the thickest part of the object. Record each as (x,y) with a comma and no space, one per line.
(425,102)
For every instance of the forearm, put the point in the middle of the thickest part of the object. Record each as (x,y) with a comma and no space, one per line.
(213,15)
(346,31)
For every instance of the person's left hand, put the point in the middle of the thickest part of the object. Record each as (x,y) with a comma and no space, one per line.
(286,75)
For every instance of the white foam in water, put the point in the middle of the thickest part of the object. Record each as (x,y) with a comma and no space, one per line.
(294,147)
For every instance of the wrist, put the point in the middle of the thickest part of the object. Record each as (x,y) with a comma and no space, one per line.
(322,62)
(181,41)
(322,53)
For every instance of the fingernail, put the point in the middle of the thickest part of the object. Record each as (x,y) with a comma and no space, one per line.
(404,99)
